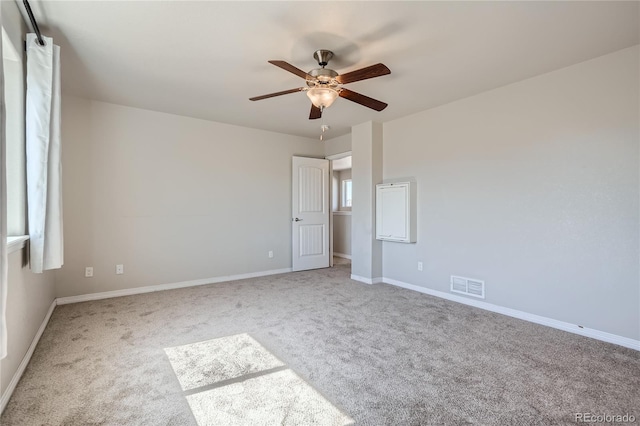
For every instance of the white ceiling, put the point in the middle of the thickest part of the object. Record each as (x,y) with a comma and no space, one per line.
(205,59)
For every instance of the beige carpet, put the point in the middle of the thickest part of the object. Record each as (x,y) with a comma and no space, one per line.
(375,354)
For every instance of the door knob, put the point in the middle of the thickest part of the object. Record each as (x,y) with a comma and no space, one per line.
(297,219)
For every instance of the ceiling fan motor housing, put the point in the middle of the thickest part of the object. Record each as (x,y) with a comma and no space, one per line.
(324,77)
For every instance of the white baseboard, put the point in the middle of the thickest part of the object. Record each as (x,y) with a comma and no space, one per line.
(170,286)
(25,360)
(342,255)
(365,280)
(549,322)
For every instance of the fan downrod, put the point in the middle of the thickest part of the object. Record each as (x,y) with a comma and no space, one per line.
(323,57)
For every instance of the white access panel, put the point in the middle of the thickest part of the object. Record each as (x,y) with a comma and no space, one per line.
(396,212)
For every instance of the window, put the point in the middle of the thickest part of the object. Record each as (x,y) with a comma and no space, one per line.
(346,193)
(14,86)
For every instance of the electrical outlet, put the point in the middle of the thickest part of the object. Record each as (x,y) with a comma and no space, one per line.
(419,266)
(270,254)
(119,269)
(88,271)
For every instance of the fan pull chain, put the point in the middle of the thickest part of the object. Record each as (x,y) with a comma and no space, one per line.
(323,127)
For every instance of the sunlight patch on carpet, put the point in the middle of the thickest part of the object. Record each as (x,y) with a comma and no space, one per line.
(206,363)
(236,381)
(280,398)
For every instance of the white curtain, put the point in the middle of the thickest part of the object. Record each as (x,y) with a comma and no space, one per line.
(44,174)
(3,217)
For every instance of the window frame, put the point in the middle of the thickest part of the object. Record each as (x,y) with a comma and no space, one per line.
(343,194)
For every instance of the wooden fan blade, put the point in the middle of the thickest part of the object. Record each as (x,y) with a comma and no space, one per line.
(363,73)
(271,95)
(362,99)
(315,112)
(288,67)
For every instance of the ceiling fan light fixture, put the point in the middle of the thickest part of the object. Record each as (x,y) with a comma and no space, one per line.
(322,97)
(324,85)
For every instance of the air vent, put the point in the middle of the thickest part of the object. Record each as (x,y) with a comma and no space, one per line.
(468,286)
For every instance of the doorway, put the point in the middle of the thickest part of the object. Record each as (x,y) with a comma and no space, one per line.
(341,204)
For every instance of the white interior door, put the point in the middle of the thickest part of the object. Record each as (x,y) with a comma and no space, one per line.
(310,213)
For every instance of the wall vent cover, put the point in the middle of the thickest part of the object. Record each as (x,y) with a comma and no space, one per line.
(468,286)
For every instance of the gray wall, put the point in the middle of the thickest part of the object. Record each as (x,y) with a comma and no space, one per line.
(532,187)
(366,169)
(337,145)
(342,233)
(335,190)
(29,295)
(172,198)
(28,301)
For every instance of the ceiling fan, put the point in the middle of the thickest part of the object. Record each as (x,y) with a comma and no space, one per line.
(324,85)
